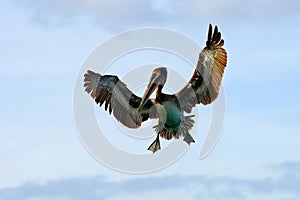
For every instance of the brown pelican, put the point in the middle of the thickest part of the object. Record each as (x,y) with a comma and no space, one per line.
(132,110)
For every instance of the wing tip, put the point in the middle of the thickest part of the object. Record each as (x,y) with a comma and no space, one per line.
(91,80)
(214,37)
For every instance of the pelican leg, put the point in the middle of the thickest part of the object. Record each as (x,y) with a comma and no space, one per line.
(188,139)
(155,146)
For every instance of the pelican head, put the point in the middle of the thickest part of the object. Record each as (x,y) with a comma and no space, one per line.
(158,78)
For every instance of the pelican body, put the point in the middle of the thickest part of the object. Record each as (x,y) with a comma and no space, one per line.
(170,109)
(172,122)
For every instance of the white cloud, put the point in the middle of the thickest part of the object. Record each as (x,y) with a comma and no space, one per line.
(180,193)
(117,13)
(170,187)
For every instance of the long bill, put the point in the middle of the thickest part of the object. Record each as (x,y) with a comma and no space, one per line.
(153,84)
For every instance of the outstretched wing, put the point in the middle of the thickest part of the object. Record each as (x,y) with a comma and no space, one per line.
(204,85)
(118,99)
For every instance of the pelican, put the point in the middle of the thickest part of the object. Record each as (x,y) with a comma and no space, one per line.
(170,109)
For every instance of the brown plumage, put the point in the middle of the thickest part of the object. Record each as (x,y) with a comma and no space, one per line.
(118,99)
(132,110)
(204,85)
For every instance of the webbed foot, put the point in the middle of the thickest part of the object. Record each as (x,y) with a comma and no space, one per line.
(155,146)
(188,139)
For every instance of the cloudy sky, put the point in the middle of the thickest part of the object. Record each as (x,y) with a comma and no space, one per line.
(43,46)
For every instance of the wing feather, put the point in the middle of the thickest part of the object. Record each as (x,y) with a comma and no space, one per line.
(117,99)
(204,85)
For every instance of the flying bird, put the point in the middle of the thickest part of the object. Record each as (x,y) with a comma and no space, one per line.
(170,109)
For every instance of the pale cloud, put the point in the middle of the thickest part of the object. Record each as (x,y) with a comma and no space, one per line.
(245,9)
(117,13)
(173,187)
(180,193)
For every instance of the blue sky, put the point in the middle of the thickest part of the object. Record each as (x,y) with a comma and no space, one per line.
(43,45)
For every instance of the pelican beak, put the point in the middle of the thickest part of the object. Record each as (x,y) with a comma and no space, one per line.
(153,84)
